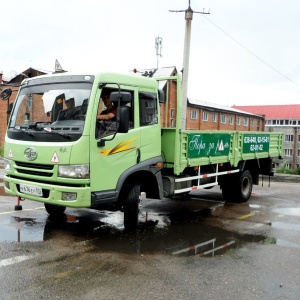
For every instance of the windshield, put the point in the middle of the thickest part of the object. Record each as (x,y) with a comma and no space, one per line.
(50,108)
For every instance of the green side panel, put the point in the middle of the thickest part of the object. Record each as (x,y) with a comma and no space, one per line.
(256,143)
(168,144)
(189,148)
(201,145)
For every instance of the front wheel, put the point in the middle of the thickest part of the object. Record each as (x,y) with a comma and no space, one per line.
(131,209)
(54,210)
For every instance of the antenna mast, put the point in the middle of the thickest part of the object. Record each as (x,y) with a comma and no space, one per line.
(186,57)
(158,47)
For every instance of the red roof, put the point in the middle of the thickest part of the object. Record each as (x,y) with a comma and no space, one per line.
(289,111)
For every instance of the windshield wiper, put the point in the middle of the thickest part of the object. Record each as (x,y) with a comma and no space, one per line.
(35,126)
(65,135)
(24,130)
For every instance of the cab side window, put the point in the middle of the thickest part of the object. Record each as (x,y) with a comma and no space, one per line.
(106,127)
(148,108)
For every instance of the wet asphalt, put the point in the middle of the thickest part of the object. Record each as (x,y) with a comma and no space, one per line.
(197,247)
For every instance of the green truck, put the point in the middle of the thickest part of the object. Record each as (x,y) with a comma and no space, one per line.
(80,162)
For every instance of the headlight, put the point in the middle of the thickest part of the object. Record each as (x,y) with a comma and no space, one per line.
(7,164)
(74,171)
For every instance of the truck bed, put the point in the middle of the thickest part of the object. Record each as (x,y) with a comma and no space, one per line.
(189,148)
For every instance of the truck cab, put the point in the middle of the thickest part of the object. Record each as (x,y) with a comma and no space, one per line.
(78,161)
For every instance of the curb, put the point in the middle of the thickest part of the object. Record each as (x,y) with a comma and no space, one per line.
(285,178)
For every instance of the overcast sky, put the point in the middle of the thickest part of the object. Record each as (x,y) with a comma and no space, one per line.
(242,53)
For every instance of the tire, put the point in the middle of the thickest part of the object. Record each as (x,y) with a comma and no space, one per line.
(54,210)
(131,209)
(238,188)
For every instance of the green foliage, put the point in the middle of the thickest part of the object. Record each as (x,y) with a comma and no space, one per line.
(285,170)
(1,152)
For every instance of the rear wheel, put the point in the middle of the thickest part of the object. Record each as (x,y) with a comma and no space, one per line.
(54,210)
(238,188)
(131,209)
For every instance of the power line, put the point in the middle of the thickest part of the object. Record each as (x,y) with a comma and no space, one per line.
(251,52)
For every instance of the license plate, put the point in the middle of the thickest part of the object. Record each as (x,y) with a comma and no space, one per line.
(32,190)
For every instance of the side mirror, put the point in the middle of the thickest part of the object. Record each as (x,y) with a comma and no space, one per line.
(125,97)
(124,119)
(5,94)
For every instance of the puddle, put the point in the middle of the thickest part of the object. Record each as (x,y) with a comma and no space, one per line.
(189,229)
(292,211)
(16,229)
(179,234)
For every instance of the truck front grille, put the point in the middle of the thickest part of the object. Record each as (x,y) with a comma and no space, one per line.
(34,169)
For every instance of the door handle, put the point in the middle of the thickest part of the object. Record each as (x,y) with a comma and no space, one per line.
(138,157)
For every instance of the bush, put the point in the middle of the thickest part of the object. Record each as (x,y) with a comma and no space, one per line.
(285,170)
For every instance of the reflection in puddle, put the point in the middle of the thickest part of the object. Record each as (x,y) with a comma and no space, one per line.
(180,233)
(166,234)
(197,248)
(17,229)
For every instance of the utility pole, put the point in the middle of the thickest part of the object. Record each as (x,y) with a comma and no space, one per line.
(186,58)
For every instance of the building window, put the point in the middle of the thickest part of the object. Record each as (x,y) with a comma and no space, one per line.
(204,116)
(258,125)
(269,122)
(251,122)
(172,112)
(231,120)
(214,118)
(223,119)
(194,114)
(298,153)
(288,152)
(289,138)
(238,121)
(172,123)
(245,121)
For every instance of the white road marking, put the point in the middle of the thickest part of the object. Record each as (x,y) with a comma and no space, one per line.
(15,260)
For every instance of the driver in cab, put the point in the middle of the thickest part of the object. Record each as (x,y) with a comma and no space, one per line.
(110,113)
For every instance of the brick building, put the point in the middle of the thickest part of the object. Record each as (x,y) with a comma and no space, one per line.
(286,119)
(13,83)
(204,115)
(200,115)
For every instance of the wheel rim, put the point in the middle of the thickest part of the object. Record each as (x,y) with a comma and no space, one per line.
(245,186)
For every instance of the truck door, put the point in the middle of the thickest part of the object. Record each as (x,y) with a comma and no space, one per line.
(149,125)
(119,152)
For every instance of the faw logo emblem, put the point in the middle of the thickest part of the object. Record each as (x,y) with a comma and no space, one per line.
(30,154)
